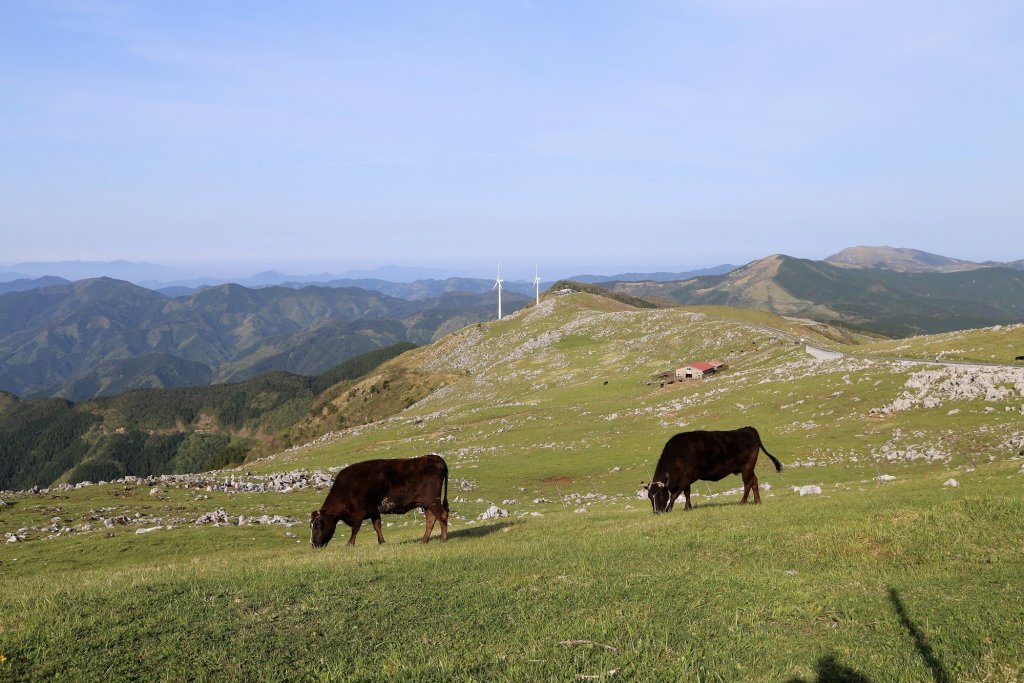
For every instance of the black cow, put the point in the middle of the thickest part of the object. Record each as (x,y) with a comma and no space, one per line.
(711,456)
(368,489)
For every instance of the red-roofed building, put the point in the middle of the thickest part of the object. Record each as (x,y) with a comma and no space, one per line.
(697,370)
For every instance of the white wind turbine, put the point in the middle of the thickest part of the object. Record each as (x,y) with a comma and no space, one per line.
(497,285)
(536,283)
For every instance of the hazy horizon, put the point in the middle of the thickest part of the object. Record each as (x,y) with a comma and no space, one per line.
(184,270)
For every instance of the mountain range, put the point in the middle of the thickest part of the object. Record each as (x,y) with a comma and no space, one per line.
(101,336)
(404,283)
(884,301)
(909,260)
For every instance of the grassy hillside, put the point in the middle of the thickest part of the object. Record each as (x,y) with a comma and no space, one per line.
(1002,344)
(551,414)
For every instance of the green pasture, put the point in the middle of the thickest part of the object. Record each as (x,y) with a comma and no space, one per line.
(905,581)
(555,415)
(1000,344)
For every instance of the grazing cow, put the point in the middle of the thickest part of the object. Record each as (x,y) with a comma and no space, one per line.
(711,456)
(368,489)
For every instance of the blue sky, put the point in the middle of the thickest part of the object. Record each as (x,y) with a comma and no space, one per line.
(603,136)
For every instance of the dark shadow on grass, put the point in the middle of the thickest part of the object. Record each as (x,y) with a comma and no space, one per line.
(479,531)
(698,505)
(829,670)
(464,533)
(939,672)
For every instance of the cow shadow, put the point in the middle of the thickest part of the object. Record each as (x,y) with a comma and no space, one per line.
(697,504)
(931,660)
(829,670)
(463,533)
(479,531)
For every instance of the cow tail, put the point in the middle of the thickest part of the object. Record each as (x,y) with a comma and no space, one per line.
(445,501)
(778,465)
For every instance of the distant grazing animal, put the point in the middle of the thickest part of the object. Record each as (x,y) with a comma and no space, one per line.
(711,456)
(370,488)
(1019,358)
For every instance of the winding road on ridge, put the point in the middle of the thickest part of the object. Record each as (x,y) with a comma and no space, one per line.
(828,354)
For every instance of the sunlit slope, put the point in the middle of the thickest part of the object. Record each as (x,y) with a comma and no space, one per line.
(1001,344)
(555,398)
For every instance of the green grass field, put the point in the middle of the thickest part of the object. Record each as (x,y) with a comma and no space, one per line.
(554,411)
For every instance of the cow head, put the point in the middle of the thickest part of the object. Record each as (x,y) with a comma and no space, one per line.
(321,527)
(658,492)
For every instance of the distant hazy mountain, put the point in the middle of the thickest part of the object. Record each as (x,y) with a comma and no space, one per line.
(429,288)
(654,277)
(119,270)
(25,284)
(878,300)
(68,339)
(908,260)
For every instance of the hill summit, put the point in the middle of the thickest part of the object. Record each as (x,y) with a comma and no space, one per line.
(898,259)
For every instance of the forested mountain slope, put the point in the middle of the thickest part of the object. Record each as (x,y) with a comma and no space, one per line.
(62,340)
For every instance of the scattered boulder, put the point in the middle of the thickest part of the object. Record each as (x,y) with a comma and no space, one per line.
(809,490)
(147,530)
(493,512)
(885,477)
(217,518)
(951,482)
(119,520)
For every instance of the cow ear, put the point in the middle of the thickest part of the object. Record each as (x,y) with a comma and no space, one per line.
(645,486)
(314,515)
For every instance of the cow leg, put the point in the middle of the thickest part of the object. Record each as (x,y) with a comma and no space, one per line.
(356,523)
(750,483)
(444,525)
(376,527)
(431,518)
(686,492)
(672,500)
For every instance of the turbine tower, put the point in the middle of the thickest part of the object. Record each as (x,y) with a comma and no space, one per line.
(536,283)
(497,285)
